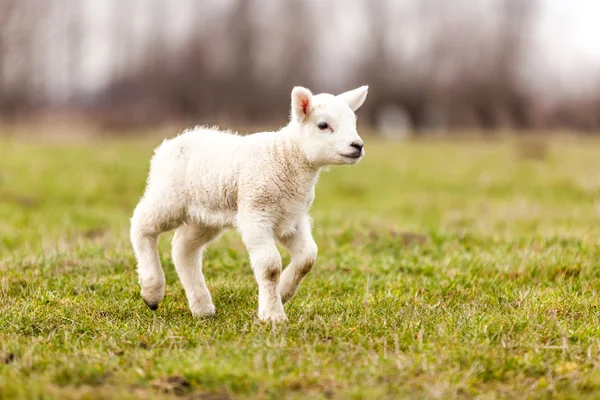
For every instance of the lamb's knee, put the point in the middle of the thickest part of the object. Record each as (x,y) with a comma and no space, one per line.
(309,259)
(271,269)
(306,267)
(272,274)
(267,266)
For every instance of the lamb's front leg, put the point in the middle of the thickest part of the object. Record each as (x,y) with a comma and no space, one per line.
(266,264)
(303,250)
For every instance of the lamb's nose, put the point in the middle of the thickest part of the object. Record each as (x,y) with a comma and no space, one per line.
(357,145)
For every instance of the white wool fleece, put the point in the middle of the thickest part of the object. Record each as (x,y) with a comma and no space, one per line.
(206,180)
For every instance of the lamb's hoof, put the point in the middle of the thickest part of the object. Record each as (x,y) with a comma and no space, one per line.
(152,306)
(153,295)
(207,310)
(276,317)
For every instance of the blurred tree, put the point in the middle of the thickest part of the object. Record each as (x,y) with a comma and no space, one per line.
(20,60)
(442,64)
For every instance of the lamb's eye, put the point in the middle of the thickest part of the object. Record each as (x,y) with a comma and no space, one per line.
(323,125)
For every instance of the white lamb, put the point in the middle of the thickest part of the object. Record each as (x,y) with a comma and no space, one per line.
(205,180)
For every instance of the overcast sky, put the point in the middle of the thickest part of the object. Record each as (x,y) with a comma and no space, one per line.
(566,39)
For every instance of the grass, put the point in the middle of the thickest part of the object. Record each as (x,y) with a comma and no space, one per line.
(445,270)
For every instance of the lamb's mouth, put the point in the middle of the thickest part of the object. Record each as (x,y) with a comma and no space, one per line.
(352,156)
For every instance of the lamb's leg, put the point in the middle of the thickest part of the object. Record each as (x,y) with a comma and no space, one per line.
(303,250)
(266,264)
(147,223)
(188,245)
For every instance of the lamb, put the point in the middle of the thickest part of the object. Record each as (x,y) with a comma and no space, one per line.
(206,180)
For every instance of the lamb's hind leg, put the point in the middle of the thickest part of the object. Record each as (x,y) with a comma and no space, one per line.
(147,223)
(188,245)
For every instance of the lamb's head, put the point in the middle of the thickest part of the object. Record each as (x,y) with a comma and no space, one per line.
(326,125)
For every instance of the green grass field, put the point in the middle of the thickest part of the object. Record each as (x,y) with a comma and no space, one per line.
(445,270)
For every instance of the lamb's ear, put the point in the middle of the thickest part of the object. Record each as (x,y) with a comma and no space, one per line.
(301,103)
(354,98)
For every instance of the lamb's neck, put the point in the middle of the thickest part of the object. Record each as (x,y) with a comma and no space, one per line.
(293,160)
(291,150)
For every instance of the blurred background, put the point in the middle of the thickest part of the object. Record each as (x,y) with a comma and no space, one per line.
(432,65)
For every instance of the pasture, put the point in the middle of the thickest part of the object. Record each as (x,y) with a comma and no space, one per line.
(445,270)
